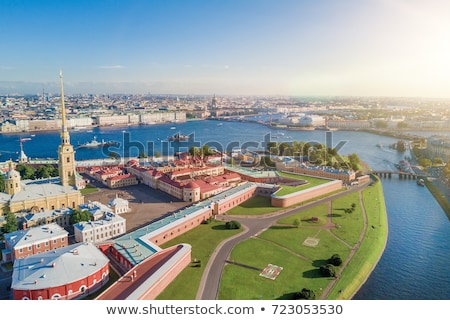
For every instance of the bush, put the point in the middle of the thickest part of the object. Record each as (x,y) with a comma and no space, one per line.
(335,260)
(328,270)
(233,225)
(305,294)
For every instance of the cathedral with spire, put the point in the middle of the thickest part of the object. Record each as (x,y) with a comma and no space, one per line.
(41,195)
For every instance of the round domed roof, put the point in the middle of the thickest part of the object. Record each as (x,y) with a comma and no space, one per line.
(192,185)
(12,173)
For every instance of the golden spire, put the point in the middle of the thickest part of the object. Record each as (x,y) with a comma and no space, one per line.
(65,138)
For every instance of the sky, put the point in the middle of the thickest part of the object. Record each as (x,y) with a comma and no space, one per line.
(397,48)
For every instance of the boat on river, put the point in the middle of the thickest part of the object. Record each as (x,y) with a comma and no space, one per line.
(94,143)
(178,137)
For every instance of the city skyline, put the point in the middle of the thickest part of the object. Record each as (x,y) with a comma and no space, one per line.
(292,48)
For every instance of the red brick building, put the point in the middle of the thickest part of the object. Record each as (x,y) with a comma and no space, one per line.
(28,242)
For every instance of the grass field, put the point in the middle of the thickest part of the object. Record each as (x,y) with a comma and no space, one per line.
(203,239)
(257,205)
(312,182)
(282,245)
(88,189)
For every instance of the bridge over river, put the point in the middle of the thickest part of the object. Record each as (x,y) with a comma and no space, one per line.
(401,174)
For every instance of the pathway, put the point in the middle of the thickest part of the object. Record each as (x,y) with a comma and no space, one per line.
(210,282)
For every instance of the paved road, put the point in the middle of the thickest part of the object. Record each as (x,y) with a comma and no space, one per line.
(210,282)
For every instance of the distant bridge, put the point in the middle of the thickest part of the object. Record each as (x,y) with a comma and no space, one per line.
(401,174)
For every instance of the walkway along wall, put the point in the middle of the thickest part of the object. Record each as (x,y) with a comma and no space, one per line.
(305,195)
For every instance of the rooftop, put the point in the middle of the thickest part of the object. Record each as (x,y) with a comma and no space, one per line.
(58,267)
(27,237)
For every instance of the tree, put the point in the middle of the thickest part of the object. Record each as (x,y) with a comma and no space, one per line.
(45,171)
(381,124)
(11,223)
(157,154)
(284,149)
(142,155)
(401,146)
(402,125)
(78,216)
(232,224)
(2,183)
(424,162)
(26,172)
(335,260)
(297,223)
(207,151)
(194,151)
(328,270)
(305,294)
(267,161)
(447,170)
(272,147)
(114,155)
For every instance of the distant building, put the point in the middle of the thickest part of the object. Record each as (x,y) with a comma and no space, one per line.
(439,147)
(8,127)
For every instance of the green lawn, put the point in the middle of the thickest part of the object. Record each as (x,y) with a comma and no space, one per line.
(257,205)
(312,182)
(282,245)
(304,216)
(203,239)
(350,224)
(241,283)
(288,241)
(371,249)
(88,189)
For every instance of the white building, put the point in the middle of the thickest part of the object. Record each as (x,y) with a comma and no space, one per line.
(96,209)
(119,205)
(100,230)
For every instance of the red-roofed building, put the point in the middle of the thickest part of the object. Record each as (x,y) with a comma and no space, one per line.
(122,180)
(104,174)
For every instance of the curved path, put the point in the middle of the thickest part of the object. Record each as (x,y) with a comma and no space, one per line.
(210,282)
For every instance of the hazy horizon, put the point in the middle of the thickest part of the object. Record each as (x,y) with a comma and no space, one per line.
(373,48)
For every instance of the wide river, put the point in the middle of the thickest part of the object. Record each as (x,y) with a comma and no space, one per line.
(416,262)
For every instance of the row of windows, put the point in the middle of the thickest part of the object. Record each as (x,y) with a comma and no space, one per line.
(46,250)
(81,290)
(38,246)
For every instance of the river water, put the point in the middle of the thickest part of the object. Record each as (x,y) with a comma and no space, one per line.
(416,261)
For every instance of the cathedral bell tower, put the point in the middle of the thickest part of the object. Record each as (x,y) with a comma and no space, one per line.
(12,180)
(66,153)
